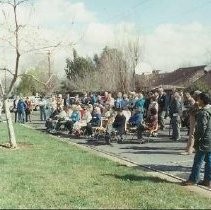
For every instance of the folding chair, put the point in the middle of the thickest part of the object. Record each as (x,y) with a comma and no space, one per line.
(99,130)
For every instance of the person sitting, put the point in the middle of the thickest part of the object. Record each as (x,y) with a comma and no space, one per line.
(95,122)
(50,123)
(118,126)
(119,122)
(136,119)
(62,118)
(74,117)
(150,124)
(127,113)
(85,119)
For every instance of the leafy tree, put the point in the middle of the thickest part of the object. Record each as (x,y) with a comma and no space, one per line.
(199,85)
(78,67)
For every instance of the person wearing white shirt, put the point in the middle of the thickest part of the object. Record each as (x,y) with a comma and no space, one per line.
(42,105)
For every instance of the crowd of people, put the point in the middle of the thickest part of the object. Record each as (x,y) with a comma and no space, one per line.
(117,114)
(142,111)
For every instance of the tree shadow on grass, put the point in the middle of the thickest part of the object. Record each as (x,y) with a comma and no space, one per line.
(135,178)
(6,145)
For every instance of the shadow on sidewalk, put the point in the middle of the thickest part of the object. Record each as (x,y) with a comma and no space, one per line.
(135,178)
(164,168)
(152,148)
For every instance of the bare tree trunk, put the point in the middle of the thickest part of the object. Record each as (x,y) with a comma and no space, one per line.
(11,132)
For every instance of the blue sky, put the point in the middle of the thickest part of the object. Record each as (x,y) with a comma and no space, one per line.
(148,14)
(173,33)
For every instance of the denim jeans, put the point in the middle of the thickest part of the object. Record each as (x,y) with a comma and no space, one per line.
(21,116)
(175,121)
(199,158)
(42,114)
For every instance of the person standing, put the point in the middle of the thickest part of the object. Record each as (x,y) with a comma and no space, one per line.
(161,108)
(202,144)
(43,105)
(15,107)
(175,115)
(192,110)
(28,109)
(21,108)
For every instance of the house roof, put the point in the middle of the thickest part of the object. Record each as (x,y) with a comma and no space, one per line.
(182,77)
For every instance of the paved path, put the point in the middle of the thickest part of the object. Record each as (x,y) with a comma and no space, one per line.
(160,154)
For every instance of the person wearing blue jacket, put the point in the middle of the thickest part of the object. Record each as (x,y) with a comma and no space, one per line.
(21,108)
(137,118)
(75,116)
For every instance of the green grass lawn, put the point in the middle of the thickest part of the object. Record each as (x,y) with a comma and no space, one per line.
(46,173)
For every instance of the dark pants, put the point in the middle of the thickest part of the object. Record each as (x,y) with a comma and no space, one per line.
(21,116)
(176,123)
(199,158)
(140,131)
(69,125)
(16,115)
(28,115)
(42,114)
(161,116)
(88,129)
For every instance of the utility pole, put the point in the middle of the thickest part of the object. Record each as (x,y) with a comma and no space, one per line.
(49,63)
(5,80)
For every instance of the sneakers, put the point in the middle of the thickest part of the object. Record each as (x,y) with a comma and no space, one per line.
(205,183)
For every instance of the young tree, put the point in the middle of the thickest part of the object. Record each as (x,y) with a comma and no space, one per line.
(13,39)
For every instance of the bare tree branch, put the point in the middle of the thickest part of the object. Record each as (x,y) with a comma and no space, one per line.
(5,69)
(42,48)
(9,42)
(36,79)
(21,2)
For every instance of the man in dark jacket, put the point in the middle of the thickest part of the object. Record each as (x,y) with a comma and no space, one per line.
(202,143)
(161,108)
(175,112)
